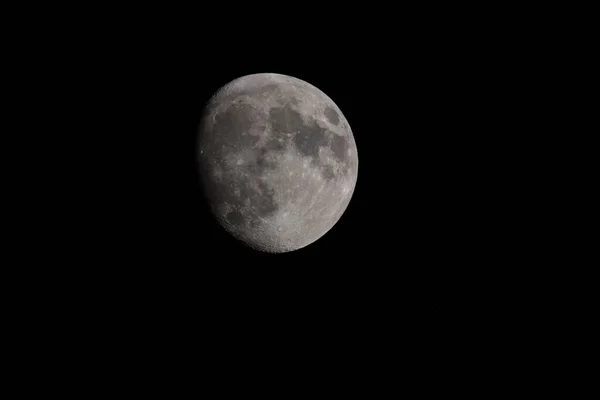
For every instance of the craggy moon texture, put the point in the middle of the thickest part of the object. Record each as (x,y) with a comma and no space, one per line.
(278,161)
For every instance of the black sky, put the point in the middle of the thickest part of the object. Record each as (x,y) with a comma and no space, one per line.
(429,211)
(429,237)
(435,265)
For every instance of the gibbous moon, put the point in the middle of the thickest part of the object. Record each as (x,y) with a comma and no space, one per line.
(278,161)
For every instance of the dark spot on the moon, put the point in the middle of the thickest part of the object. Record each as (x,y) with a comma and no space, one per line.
(264,203)
(339,146)
(225,193)
(263,162)
(274,145)
(235,218)
(327,172)
(256,168)
(245,192)
(309,139)
(232,126)
(284,119)
(332,115)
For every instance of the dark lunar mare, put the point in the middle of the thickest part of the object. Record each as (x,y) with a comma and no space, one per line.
(284,119)
(339,146)
(332,115)
(232,124)
(309,137)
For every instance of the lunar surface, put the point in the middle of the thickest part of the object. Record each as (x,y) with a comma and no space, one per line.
(278,161)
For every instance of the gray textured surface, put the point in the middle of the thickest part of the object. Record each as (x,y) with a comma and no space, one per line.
(278,161)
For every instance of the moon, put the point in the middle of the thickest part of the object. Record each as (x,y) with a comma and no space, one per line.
(278,161)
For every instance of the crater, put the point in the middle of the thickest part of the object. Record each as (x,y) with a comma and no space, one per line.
(332,115)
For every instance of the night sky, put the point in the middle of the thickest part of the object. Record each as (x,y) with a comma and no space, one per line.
(438,275)
(428,242)
(424,231)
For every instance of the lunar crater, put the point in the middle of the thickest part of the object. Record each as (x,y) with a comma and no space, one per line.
(331,115)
